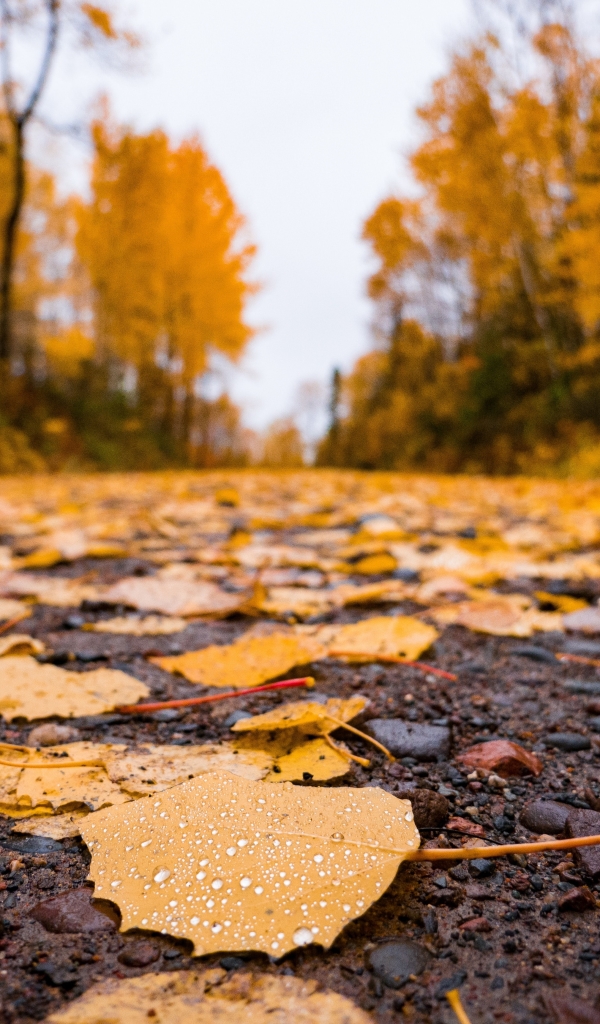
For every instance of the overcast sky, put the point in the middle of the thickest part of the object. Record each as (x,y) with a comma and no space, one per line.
(307,107)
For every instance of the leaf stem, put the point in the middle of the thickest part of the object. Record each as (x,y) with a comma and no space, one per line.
(454,999)
(363,735)
(346,753)
(394,659)
(11,622)
(135,709)
(476,852)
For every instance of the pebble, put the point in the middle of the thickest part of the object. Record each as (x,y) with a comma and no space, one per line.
(447,984)
(585,648)
(585,823)
(139,954)
(594,724)
(482,868)
(404,739)
(582,686)
(545,817)
(476,924)
(51,734)
(535,654)
(72,912)
(232,963)
(431,810)
(234,717)
(577,899)
(395,961)
(568,741)
(168,714)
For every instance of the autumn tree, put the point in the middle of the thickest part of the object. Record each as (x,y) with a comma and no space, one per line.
(40,23)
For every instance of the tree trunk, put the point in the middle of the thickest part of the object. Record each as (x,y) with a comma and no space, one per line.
(10,242)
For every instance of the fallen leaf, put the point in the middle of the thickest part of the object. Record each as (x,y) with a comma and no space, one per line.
(308,716)
(30,690)
(13,611)
(374,565)
(401,636)
(503,757)
(151,625)
(174,597)
(50,590)
(587,620)
(231,846)
(249,661)
(295,757)
(150,769)
(504,615)
(300,602)
(561,602)
(18,644)
(183,997)
(59,826)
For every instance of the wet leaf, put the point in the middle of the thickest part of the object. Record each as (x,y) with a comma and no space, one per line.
(308,716)
(30,690)
(238,865)
(503,757)
(249,661)
(180,997)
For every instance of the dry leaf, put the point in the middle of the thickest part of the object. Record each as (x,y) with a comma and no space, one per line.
(503,757)
(188,997)
(308,716)
(299,602)
(173,597)
(59,826)
(249,661)
(503,615)
(150,769)
(13,611)
(238,865)
(151,625)
(587,620)
(18,644)
(30,690)
(49,590)
(295,757)
(399,636)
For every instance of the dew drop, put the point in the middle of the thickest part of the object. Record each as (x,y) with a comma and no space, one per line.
(217,883)
(115,885)
(193,920)
(245,883)
(173,903)
(274,945)
(162,874)
(259,890)
(337,837)
(242,842)
(146,843)
(318,857)
(408,816)
(302,936)
(231,851)
(201,875)
(216,928)
(347,908)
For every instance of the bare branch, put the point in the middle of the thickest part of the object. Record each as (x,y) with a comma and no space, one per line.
(51,40)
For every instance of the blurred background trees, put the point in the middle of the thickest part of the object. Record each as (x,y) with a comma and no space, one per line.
(486,287)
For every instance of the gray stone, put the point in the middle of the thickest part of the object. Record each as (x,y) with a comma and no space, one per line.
(594,724)
(535,654)
(568,741)
(411,739)
(235,716)
(585,823)
(545,817)
(139,954)
(73,912)
(395,961)
(585,648)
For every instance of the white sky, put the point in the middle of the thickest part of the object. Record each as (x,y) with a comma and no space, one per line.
(307,107)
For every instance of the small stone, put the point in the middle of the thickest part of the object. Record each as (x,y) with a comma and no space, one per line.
(568,741)
(585,823)
(73,622)
(232,963)
(447,984)
(235,716)
(466,828)
(460,873)
(51,734)
(476,924)
(594,724)
(545,817)
(479,892)
(577,899)
(503,757)
(535,654)
(139,954)
(582,686)
(430,809)
(72,912)
(585,648)
(168,714)
(404,739)
(395,961)
(482,868)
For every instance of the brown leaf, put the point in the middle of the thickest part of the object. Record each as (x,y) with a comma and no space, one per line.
(183,997)
(249,661)
(239,865)
(503,757)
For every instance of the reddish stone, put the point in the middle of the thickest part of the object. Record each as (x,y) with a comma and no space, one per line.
(467,828)
(581,822)
(502,757)
(564,1008)
(577,899)
(73,912)
(476,924)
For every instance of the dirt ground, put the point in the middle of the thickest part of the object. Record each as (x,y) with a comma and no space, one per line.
(528,946)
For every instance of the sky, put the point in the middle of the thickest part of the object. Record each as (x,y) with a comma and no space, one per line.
(308,109)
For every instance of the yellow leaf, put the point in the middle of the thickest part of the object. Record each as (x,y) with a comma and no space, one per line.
(174,597)
(295,757)
(151,625)
(19,644)
(249,661)
(401,636)
(13,610)
(561,602)
(339,849)
(308,716)
(373,565)
(180,997)
(42,559)
(30,690)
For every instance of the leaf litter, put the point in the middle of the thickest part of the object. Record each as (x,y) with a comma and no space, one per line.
(30,690)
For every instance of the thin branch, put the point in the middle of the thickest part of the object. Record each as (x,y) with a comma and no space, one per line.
(51,40)
(5,58)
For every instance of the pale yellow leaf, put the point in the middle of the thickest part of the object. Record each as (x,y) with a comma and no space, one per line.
(30,690)
(151,625)
(13,610)
(188,997)
(398,636)
(174,597)
(308,716)
(209,860)
(18,644)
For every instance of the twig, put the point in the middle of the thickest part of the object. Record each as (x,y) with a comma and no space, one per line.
(12,622)
(453,998)
(476,852)
(578,659)
(395,659)
(363,736)
(134,709)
